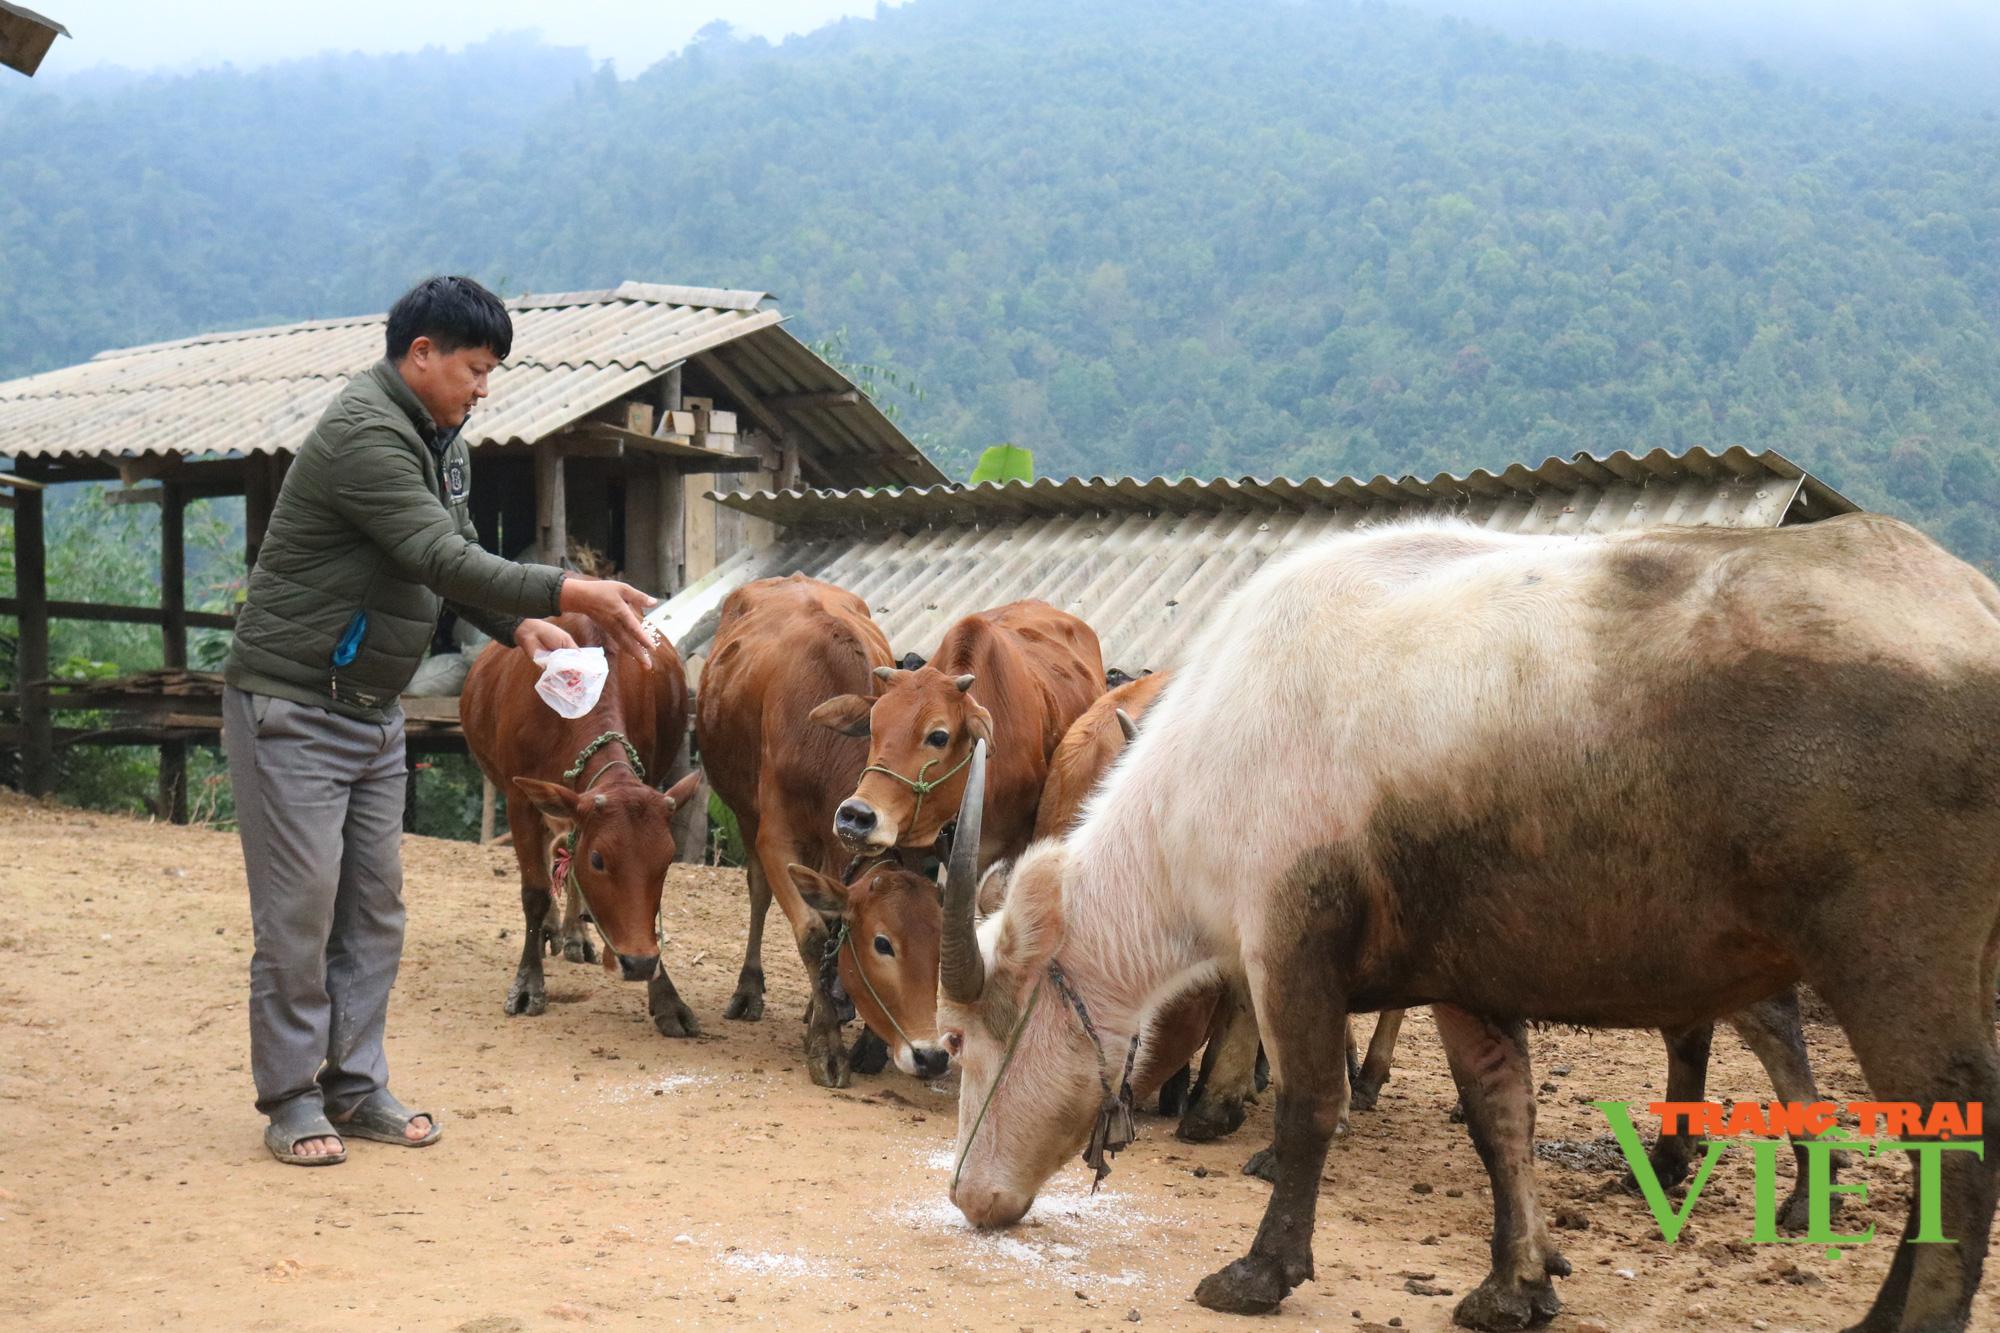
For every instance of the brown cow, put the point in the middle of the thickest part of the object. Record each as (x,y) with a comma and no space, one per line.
(782,647)
(1016,677)
(1217,1020)
(621,847)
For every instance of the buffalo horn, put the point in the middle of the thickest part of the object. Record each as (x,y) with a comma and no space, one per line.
(961,970)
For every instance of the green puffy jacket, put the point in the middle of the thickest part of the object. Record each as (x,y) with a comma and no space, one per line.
(370,539)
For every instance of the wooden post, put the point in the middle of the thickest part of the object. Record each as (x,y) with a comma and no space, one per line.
(642,515)
(173,640)
(486,811)
(551,505)
(670,529)
(409,787)
(31,663)
(260,496)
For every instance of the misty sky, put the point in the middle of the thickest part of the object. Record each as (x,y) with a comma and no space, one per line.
(148,34)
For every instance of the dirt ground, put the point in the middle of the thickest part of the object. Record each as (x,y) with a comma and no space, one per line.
(593,1172)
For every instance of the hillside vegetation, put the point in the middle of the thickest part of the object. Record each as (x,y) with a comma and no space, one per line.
(1136,237)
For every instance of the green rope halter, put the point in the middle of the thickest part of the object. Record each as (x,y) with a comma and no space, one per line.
(918,784)
(571,773)
(888,1013)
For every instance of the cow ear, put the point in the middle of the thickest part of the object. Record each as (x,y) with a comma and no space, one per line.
(1031,921)
(979,725)
(822,893)
(993,886)
(556,801)
(683,791)
(847,714)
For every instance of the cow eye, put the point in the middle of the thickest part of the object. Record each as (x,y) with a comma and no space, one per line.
(883,947)
(937,740)
(597,860)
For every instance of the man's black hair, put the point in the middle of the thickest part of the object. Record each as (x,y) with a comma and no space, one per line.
(453,313)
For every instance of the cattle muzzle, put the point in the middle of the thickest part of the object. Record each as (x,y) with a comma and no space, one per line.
(638,967)
(855,821)
(929,1061)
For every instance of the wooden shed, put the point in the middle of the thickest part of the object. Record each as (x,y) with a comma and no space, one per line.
(614,414)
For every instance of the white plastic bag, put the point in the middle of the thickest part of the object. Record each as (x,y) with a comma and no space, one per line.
(572,679)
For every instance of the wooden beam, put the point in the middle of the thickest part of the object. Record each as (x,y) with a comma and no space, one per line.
(120,615)
(795,402)
(551,504)
(31,660)
(678,448)
(173,577)
(642,513)
(746,397)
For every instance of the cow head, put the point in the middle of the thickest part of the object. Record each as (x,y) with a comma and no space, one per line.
(888,955)
(624,845)
(921,729)
(1017,1125)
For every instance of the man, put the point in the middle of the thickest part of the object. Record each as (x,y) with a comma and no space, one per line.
(370,539)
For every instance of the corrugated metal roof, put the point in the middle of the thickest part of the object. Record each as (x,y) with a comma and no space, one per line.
(259,390)
(1145,561)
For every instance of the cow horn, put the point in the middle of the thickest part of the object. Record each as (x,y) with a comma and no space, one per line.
(961,969)
(964,683)
(600,803)
(884,672)
(1127,725)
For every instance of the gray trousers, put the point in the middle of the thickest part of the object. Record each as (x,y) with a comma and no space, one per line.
(319,803)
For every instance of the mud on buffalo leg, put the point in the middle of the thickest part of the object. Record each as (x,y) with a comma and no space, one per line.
(748,1001)
(1304,1030)
(1927,1038)
(1687,1081)
(1775,1035)
(826,1057)
(528,995)
(1228,1070)
(1489,1062)
(1381,1055)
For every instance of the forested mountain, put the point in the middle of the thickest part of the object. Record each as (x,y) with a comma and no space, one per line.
(1135,235)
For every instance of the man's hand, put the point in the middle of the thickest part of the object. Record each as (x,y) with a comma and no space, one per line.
(615,607)
(541,636)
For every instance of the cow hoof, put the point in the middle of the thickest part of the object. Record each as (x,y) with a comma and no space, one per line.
(1362,1094)
(670,1015)
(1500,1307)
(1796,1215)
(870,1054)
(1209,1119)
(527,998)
(747,1005)
(1263,1164)
(826,1061)
(1254,1284)
(579,949)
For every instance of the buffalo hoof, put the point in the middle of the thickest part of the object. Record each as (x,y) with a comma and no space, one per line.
(1362,1094)
(1174,1092)
(870,1054)
(1254,1284)
(745,1004)
(527,996)
(670,1015)
(1263,1164)
(1209,1119)
(1501,1306)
